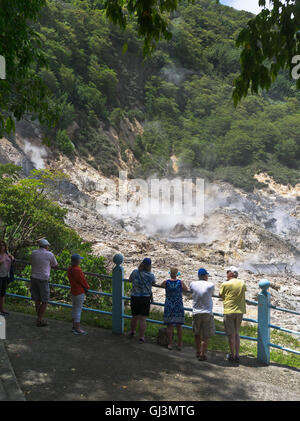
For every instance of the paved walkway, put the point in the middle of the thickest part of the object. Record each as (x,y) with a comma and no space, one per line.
(9,387)
(53,364)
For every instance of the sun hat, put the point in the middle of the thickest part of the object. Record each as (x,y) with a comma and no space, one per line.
(202,272)
(43,242)
(232,269)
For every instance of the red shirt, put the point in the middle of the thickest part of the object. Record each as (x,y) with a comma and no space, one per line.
(77,280)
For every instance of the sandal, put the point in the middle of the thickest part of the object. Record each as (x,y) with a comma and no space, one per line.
(142,340)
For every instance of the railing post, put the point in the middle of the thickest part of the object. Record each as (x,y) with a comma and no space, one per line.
(263,348)
(117,294)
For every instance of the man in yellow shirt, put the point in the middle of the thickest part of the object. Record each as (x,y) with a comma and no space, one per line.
(232,292)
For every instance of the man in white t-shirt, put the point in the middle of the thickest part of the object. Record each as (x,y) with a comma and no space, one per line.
(42,260)
(203,319)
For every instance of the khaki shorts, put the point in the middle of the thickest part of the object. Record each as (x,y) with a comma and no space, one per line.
(204,325)
(40,290)
(232,323)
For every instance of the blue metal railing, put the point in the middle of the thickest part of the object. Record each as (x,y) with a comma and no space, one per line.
(118,315)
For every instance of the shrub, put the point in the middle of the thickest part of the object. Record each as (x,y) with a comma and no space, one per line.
(64,142)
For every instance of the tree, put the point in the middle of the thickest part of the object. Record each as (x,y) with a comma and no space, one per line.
(64,142)
(286,151)
(23,91)
(270,41)
(28,213)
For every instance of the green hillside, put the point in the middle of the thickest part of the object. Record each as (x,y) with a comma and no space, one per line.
(181,95)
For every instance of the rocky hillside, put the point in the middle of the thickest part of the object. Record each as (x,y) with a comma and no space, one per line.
(170,115)
(255,231)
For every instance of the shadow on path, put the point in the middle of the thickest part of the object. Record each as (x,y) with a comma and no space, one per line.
(53,364)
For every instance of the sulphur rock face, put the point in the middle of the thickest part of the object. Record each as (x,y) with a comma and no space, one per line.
(9,153)
(278,189)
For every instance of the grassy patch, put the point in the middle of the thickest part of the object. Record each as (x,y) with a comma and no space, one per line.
(217,343)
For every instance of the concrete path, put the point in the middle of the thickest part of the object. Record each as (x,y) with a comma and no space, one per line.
(9,387)
(53,364)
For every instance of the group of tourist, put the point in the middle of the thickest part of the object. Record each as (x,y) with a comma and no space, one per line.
(232,292)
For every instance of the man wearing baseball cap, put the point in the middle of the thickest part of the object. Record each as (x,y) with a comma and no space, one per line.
(232,292)
(42,260)
(203,319)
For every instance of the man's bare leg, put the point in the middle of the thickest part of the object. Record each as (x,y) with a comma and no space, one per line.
(237,345)
(37,308)
(41,311)
(198,344)
(204,346)
(231,340)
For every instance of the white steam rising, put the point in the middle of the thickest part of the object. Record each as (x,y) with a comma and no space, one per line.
(175,74)
(35,154)
(229,217)
(153,206)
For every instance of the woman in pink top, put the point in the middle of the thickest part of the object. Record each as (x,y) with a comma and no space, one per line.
(5,265)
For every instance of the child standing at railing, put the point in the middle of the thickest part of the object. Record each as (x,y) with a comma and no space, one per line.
(174,311)
(79,288)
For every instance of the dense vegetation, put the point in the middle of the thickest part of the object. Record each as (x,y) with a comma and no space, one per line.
(181,95)
(22,91)
(29,212)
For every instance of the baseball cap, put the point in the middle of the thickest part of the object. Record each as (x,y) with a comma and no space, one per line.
(232,269)
(75,257)
(43,242)
(202,272)
(147,261)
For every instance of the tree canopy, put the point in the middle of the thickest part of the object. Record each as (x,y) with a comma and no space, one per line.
(28,212)
(23,91)
(270,41)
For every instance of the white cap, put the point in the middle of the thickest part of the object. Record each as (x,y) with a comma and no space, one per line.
(232,269)
(43,242)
